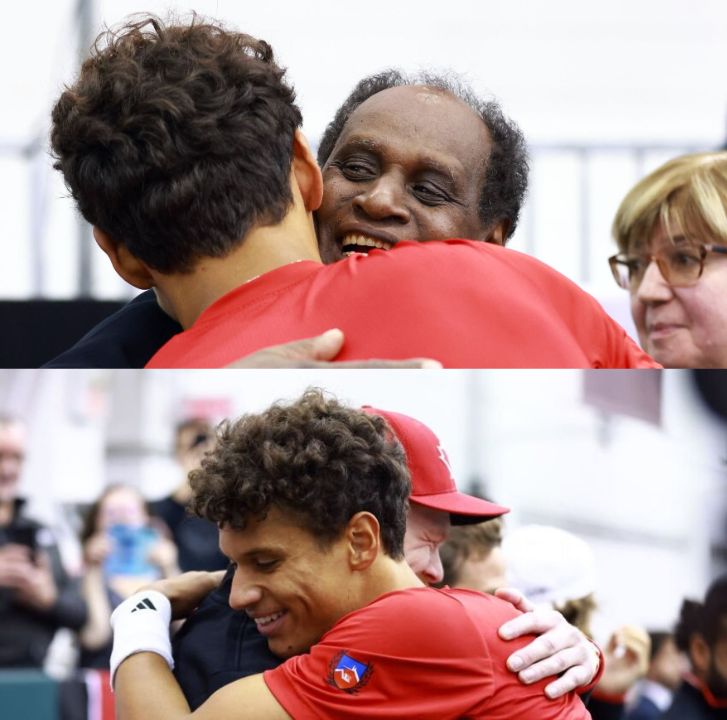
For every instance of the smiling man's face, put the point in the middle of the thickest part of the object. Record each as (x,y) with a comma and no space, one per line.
(293,588)
(408,165)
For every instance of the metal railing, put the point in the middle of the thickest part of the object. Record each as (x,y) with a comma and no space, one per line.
(532,237)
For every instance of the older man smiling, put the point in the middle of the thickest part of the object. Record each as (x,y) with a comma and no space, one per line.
(401,162)
(390,172)
(207,196)
(455,166)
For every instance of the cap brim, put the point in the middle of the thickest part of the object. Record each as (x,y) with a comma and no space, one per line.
(463,509)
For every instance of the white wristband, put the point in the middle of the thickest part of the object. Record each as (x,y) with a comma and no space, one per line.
(141,624)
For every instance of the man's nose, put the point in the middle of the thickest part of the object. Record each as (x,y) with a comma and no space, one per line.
(433,572)
(653,287)
(384,199)
(243,592)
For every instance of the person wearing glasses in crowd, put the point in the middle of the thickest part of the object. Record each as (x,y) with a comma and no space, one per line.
(671,231)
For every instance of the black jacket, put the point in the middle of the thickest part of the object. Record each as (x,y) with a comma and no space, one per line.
(216,646)
(690,704)
(25,634)
(197,540)
(126,339)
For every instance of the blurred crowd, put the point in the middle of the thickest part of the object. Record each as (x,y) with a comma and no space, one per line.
(125,542)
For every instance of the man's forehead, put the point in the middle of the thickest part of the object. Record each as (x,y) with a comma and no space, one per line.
(440,122)
(237,541)
(12,434)
(274,530)
(428,520)
(417,97)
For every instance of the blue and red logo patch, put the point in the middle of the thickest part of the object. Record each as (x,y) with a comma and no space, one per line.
(347,673)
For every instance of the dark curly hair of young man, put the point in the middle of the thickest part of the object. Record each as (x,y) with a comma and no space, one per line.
(176,140)
(316,459)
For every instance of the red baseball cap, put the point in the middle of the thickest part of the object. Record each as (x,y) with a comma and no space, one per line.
(432,484)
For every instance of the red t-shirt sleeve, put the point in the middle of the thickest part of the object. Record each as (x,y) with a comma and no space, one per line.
(398,657)
(633,355)
(603,340)
(422,654)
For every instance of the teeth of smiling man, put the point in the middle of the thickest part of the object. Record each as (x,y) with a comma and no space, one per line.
(267,619)
(364,241)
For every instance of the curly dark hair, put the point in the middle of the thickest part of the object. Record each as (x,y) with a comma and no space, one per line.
(505,182)
(315,458)
(175,140)
(708,619)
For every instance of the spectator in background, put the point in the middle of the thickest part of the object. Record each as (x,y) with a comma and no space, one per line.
(701,634)
(37,597)
(122,550)
(555,568)
(196,539)
(472,557)
(656,690)
(671,231)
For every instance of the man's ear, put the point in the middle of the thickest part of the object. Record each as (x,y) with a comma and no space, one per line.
(127,266)
(699,653)
(307,173)
(364,540)
(497,233)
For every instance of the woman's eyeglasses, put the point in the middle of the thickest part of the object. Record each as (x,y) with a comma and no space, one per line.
(679,265)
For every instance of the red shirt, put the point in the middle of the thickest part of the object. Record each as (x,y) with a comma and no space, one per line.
(467,304)
(416,654)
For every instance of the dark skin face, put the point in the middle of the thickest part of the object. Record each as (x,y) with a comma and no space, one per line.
(408,165)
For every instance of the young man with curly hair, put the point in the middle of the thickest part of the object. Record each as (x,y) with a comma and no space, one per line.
(217,645)
(491,168)
(311,501)
(181,147)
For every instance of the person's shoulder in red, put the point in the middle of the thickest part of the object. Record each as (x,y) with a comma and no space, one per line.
(510,698)
(257,314)
(474,304)
(421,653)
(522,278)
(464,303)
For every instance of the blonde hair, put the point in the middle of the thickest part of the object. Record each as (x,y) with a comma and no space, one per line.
(467,541)
(687,196)
(579,612)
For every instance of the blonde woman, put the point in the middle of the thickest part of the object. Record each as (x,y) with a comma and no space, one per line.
(671,231)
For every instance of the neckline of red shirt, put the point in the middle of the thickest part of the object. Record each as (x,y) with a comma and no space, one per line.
(709,698)
(287,274)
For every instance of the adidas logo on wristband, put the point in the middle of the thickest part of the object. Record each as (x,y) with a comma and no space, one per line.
(140,632)
(145,604)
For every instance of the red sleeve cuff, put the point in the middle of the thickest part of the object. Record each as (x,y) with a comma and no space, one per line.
(613,699)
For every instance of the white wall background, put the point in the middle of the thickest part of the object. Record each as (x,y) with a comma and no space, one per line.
(649,497)
(622,72)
